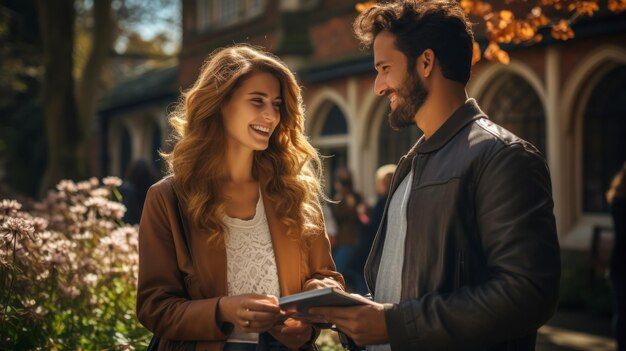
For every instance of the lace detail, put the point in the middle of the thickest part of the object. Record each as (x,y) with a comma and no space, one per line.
(250,255)
(251,262)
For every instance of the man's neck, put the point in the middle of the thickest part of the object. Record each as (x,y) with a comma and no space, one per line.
(439,106)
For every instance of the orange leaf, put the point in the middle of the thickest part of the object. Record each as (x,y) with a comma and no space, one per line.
(584,7)
(360,7)
(617,6)
(475,53)
(494,52)
(506,15)
(562,30)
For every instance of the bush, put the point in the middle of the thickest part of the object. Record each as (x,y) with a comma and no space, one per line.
(68,271)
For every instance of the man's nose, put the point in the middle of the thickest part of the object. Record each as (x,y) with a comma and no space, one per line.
(379,86)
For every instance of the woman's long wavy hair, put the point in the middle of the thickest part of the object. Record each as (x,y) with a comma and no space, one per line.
(198,158)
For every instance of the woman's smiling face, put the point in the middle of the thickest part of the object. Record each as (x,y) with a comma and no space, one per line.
(252,112)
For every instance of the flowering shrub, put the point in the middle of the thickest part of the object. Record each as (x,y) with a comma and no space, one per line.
(68,271)
(328,341)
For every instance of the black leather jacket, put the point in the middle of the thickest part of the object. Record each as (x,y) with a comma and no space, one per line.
(482,260)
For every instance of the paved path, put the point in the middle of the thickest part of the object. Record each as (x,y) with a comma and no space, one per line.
(576,330)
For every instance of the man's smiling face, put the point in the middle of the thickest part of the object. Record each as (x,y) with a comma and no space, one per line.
(403,87)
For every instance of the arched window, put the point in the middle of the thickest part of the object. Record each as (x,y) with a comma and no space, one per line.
(604,138)
(393,144)
(332,141)
(514,104)
(335,122)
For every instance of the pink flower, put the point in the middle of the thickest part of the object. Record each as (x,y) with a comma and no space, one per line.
(67,186)
(18,226)
(112,182)
(9,207)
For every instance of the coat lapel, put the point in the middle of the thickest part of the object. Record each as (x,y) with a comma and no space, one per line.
(210,262)
(286,250)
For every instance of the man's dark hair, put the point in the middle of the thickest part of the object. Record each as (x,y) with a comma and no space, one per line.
(439,25)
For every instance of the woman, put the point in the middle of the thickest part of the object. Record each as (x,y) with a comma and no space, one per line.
(248,186)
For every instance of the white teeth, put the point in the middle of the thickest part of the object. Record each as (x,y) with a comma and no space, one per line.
(261,129)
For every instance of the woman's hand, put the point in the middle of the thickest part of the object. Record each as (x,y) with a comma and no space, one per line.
(252,313)
(292,333)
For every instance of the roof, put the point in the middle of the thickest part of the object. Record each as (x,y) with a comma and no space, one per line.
(154,84)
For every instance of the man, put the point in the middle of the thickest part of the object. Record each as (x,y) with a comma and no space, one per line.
(467,256)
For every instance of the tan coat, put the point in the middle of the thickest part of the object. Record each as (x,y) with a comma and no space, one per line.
(177,297)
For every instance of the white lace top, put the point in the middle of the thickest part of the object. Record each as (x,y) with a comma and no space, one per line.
(251,261)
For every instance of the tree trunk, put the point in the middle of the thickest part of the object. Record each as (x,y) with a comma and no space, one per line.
(56,20)
(89,85)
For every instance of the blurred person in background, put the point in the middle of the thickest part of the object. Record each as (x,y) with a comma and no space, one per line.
(616,197)
(251,226)
(139,178)
(348,213)
(383,182)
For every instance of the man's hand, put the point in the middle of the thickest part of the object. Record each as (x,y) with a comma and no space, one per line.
(292,333)
(364,324)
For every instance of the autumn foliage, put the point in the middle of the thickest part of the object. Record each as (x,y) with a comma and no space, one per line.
(519,21)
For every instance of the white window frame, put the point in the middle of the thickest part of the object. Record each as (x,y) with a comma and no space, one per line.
(218,14)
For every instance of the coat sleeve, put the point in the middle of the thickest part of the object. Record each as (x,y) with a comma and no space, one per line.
(322,271)
(515,221)
(163,305)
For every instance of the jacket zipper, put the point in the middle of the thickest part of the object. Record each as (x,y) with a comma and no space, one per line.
(460,270)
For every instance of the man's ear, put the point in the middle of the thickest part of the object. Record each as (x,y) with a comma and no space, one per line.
(426,63)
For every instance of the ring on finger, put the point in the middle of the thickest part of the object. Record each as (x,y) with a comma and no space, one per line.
(247,323)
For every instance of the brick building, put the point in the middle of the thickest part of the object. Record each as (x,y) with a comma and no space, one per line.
(565,97)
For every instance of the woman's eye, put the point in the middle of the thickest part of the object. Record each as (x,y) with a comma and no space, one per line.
(277,105)
(257,102)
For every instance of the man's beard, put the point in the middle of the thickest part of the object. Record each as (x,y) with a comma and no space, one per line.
(411,96)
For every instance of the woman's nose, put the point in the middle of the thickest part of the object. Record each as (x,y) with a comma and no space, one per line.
(270,113)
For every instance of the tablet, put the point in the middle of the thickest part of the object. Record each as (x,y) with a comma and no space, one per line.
(296,305)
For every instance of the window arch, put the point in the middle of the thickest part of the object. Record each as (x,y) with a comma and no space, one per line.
(514,104)
(331,138)
(334,123)
(604,138)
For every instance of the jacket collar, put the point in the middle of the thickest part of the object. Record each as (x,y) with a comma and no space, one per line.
(468,112)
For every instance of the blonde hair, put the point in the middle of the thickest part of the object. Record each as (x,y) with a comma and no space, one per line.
(196,161)
(618,186)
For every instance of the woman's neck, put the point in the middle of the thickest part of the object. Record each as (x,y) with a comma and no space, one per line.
(239,167)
